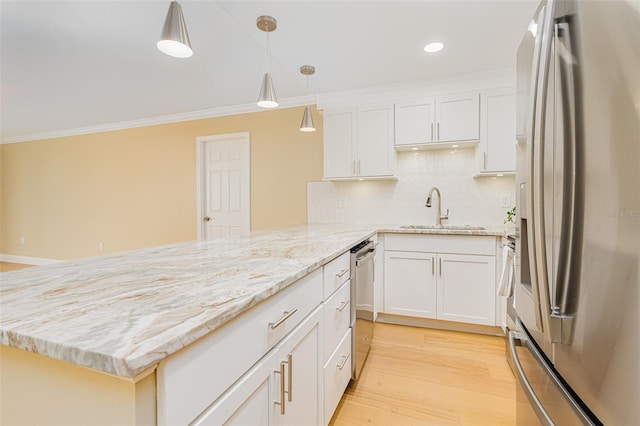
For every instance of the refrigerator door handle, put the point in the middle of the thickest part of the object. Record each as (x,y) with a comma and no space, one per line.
(517,338)
(539,147)
(537,406)
(530,167)
(561,320)
(535,204)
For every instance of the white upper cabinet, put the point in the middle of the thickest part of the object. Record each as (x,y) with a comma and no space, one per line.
(429,121)
(457,117)
(415,122)
(339,141)
(498,131)
(358,143)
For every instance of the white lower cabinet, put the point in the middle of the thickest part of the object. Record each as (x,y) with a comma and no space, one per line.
(423,280)
(466,288)
(337,373)
(410,284)
(282,389)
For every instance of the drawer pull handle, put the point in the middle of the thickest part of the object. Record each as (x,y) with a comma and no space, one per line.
(290,364)
(282,391)
(287,315)
(342,306)
(341,273)
(343,362)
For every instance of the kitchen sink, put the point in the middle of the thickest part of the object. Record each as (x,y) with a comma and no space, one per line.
(450,227)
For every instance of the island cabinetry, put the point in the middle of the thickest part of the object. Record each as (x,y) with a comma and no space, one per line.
(429,121)
(283,388)
(358,143)
(190,380)
(441,277)
(337,333)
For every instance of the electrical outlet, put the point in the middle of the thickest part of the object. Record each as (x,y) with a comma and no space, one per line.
(21,239)
(100,245)
(505,200)
(342,203)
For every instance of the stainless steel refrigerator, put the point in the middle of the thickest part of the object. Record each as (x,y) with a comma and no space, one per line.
(576,347)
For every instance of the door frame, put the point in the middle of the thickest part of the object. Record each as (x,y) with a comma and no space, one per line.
(244,137)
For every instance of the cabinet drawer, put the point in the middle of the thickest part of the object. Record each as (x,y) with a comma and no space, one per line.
(193,378)
(460,244)
(337,373)
(336,273)
(337,316)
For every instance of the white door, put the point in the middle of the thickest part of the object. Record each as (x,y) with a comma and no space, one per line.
(410,284)
(339,136)
(458,117)
(224,198)
(414,122)
(466,288)
(375,141)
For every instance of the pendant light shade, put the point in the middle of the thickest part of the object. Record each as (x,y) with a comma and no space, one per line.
(174,40)
(307,124)
(307,121)
(267,97)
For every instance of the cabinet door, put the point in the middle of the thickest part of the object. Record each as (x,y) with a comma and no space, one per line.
(498,130)
(339,139)
(414,122)
(466,288)
(410,284)
(458,117)
(248,402)
(300,355)
(375,154)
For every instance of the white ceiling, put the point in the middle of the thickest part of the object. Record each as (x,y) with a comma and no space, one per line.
(72,64)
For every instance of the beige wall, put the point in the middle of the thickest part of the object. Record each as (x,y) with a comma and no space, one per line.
(137,188)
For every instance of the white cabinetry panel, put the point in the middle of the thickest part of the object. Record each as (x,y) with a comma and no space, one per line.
(442,277)
(358,143)
(466,288)
(410,284)
(498,131)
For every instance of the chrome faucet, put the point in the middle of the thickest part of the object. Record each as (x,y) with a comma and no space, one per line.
(439,215)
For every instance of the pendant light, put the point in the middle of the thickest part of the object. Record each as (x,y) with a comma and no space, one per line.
(174,40)
(307,119)
(267,97)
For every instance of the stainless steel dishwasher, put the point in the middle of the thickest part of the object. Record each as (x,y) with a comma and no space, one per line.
(362,277)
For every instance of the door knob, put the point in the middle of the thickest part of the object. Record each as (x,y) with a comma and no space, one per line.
(207,219)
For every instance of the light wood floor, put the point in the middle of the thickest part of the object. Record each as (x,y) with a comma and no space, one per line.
(6,266)
(418,376)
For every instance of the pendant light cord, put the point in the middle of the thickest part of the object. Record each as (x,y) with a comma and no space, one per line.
(266,28)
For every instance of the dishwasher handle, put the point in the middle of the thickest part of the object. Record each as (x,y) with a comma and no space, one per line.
(366,258)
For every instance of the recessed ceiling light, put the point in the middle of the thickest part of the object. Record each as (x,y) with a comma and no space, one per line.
(433,47)
(454,146)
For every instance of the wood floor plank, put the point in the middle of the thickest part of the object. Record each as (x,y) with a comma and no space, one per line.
(430,377)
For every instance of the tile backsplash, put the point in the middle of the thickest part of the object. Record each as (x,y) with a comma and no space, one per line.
(470,201)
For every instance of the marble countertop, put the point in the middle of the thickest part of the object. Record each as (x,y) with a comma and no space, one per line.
(123,313)
(446,230)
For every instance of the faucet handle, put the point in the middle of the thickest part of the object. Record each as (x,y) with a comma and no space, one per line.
(445,216)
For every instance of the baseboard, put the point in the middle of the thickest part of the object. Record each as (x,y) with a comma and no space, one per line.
(440,324)
(27,260)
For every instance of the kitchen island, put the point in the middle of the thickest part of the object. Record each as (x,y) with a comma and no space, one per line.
(122,314)
(83,341)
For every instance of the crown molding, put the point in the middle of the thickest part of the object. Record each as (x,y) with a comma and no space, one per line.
(154,121)
(503,77)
